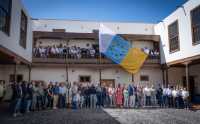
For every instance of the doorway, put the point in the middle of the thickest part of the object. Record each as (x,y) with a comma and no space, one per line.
(191,86)
(108,82)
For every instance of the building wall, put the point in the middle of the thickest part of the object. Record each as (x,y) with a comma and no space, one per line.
(79,43)
(12,42)
(185,34)
(176,75)
(58,74)
(7,70)
(48,74)
(194,70)
(142,44)
(89,26)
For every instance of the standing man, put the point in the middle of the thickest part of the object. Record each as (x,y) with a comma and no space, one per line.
(132,95)
(62,95)
(55,95)
(165,98)
(147,92)
(99,96)
(159,96)
(185,97)
(17,98)
(169,96)
(29,97)
(92,92)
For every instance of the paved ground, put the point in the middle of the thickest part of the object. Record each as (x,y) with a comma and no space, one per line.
(61,116)
(106,116)
(155,116)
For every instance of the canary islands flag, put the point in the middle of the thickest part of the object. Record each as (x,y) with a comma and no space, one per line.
(120,50)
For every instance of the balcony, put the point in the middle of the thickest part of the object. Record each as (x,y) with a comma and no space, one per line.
(86,61)
(76,56)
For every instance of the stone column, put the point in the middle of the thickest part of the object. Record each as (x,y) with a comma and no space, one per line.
(132,78)
(167,76)
(163,76)
(187,75)
(17,62)
(29,73)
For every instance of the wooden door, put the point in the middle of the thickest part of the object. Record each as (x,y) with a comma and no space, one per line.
(108,82)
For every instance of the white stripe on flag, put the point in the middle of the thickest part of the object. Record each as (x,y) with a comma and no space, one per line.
(105,37)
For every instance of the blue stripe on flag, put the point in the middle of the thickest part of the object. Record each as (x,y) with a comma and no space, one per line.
(117,49)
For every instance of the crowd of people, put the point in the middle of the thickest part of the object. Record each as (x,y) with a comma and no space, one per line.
(62,51)
(36,96)
(74,52)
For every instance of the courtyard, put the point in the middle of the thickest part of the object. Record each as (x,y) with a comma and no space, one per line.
(105,116)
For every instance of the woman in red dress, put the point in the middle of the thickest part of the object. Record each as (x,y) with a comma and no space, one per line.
(119,95)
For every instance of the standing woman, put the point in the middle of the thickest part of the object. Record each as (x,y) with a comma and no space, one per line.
(126,97)
(111,92)
(119,96)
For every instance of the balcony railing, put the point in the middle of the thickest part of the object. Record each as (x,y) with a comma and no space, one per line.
(80,56)
(95,60)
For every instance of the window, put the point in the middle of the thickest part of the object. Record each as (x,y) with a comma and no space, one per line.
(173,37)
(144,78)
(23,30)
(84,79)
(195,20)
(5,15)
(19,78)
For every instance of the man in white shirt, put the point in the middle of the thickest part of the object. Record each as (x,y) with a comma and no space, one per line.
(185,97)
(92,52)
(53,51)
(57,51)
(175,97)
(147,93)
(62,95)
(165,98)
(169,95)
(74,88)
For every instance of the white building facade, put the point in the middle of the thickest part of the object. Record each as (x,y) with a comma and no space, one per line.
(177,38)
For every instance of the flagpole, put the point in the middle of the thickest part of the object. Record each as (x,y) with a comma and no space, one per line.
(99,64)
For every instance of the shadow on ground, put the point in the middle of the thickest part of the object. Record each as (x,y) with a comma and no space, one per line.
(59,116)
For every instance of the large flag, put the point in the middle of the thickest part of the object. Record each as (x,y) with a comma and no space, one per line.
(120,50)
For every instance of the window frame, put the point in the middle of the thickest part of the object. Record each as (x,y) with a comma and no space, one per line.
(8,18)
(142,76)
(191,20)
(84,76)
(169,39)
(21,43)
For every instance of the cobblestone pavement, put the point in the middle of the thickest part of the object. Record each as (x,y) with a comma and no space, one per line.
(155,116)
(61,116)
(105,116)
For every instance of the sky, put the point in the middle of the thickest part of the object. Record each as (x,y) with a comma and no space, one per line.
(151,11)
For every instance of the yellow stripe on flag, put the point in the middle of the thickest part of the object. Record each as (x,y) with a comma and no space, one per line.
(133,60)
